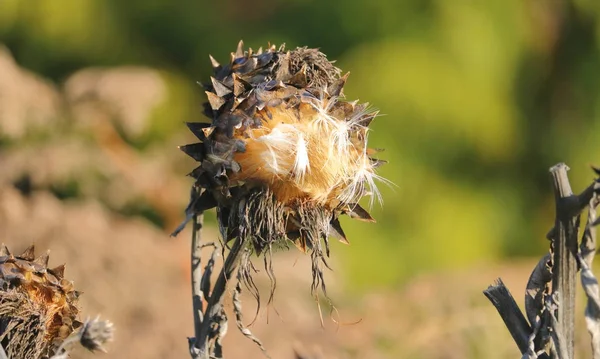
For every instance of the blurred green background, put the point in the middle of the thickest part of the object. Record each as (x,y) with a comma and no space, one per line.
(478,100)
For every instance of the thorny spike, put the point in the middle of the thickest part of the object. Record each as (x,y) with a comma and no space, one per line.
(220,89)
(336,88)
(43,259)
(76,294)
(197,129)
(4,250)
(373,151)
(59,271)
(357,212)
(238,85)
(67,285)
(28,254)
(260,51)
(240,49)
(195,150)
(376,163)
(215,64)
(299,78)
(215,101)
(368,118)
(208,131)
(337,228)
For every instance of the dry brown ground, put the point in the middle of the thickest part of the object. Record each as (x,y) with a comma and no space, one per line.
(137,276)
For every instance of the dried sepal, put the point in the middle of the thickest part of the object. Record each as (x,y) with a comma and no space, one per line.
(537,288)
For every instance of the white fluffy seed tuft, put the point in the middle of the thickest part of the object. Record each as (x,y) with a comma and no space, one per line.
(301,164)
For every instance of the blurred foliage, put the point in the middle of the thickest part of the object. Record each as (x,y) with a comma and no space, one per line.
(479,99)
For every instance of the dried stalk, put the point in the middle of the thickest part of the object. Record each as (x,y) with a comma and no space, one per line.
(214,317)
(551,314)
(210,320)
(512,316)
(197,297)
(564,266)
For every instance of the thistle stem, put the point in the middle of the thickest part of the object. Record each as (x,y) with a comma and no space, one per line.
(214,313)
(197,297)
(564,268)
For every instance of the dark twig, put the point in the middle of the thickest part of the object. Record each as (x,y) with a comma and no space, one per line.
(564,267)
(512,316)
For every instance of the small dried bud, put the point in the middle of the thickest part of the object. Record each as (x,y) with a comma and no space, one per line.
(96,333)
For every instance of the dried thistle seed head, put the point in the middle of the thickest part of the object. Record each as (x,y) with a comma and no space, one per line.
(38,306)
(284,155)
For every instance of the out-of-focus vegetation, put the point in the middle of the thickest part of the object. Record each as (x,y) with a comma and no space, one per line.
(479,99)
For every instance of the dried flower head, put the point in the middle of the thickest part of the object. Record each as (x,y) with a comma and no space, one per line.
(38,306)
(284,155)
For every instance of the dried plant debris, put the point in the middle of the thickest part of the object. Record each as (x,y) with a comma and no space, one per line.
(538,286)
(92,335)
(284,155)
(38,306)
